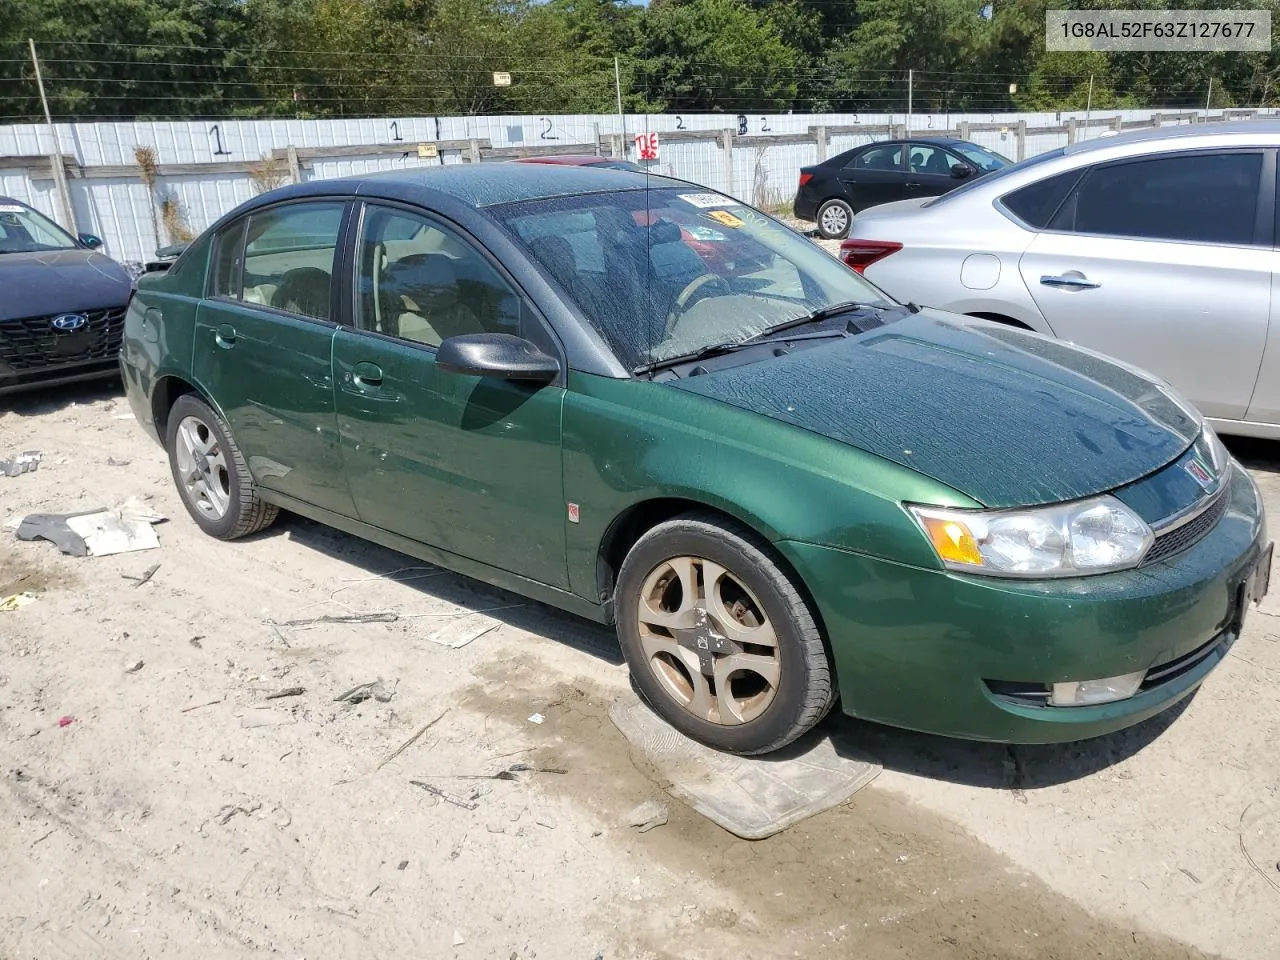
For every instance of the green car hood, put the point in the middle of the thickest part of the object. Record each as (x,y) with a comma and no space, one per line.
(1006,416)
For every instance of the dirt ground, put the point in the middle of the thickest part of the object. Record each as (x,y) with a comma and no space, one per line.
(182,813)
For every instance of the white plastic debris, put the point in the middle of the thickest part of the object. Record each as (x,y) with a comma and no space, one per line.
(537,718)
(126,529)
(26,462)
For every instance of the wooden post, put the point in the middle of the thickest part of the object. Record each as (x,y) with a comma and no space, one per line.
(1157,119)
(595,136)
(295,168)
(1117,123)
(964,130)
(898,131)
(615,146)
(726,144)
(55,158)
(820,136)
(1021,136)
(473,150)
(1071,130)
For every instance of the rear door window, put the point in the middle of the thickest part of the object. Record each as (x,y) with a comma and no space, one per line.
(288,259)
(887,157)
(1202,198)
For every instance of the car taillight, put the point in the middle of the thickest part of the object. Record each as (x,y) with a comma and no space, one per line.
(805,178)
(861,254)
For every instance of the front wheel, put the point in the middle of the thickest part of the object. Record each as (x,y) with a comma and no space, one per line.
(718,639)
(834,219)
(211,473)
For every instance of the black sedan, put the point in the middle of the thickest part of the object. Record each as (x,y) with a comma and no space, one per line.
(831,192)
(62,303)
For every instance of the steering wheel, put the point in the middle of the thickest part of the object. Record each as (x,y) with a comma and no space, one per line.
(693,292)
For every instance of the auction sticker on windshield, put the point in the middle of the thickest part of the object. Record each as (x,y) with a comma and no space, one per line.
(705,200)
(725,217)
(11,208)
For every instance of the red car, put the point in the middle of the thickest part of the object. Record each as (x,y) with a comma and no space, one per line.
(708,243)
(585,160)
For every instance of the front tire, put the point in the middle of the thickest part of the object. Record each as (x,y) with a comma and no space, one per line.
(719,640)
(835,217)
(211,474)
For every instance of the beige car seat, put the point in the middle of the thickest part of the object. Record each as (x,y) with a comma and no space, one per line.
(420,300)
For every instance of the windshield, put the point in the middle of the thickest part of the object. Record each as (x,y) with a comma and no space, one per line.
(983,182)
(22,230)
(982,158)
(665,272)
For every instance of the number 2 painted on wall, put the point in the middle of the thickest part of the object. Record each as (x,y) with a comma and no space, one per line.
(546,134)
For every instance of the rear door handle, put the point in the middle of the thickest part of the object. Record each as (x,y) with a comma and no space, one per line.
(1068,282)
(225,336)
(367,375)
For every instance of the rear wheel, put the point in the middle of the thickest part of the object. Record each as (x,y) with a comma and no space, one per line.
(211,474)
(834,219)
(719,640)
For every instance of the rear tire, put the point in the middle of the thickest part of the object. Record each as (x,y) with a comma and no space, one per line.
(835,217)
(211,474)
(719,640)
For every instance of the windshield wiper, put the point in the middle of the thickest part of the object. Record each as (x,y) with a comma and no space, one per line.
(729,346)
(702,353)
(816,316)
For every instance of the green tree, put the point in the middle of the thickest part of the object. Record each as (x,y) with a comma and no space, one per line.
(123,58)
(714,55)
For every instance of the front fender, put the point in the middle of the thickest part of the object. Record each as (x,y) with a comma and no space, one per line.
(627,442)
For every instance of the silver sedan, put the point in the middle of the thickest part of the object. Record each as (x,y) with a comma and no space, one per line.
(1156,247)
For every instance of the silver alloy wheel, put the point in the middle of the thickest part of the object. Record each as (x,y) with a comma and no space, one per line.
(202,468)
(835,219)
(707,639)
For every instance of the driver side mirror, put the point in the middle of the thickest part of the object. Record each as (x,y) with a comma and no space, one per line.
(961,171)
(497,355)
(90,240)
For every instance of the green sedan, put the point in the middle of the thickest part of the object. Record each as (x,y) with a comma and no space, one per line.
(651,405)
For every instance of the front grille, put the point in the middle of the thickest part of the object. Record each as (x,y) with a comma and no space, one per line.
(33,343)
(1190,533)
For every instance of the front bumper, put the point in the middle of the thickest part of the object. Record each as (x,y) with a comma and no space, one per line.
(33,354)
(12,381)
(934,651)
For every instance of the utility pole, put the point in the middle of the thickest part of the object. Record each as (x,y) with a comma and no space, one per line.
(622,117)
(68,218)
(911,76)
(1088,108)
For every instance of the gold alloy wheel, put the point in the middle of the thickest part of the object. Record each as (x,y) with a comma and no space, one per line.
(707,639)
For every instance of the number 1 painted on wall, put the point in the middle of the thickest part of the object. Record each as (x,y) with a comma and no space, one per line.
(221,151)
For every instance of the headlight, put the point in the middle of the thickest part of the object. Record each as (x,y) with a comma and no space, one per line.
(1064,540)
(1218,453)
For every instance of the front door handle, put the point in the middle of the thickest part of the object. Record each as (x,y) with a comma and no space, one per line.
(367,376)
(1070,281)
(225,336)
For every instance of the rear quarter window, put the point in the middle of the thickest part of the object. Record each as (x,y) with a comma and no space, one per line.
(1036,203)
